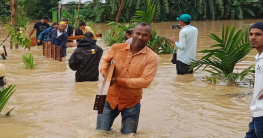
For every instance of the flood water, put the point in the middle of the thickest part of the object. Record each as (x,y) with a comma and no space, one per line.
(49,104)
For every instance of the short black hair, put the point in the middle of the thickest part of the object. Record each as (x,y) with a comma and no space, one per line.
(129,31)
(65,20)
(187,23)
(82,23)
(46,17)
(55,23)
(144,24)
(89,35)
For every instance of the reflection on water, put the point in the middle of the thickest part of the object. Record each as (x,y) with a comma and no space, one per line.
(49,104)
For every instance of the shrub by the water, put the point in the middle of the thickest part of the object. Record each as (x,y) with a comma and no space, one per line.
(29,60)
(5,94)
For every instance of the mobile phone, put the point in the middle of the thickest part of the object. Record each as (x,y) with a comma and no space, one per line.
(176,26)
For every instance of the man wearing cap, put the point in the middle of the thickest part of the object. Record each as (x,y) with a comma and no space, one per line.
(69,28)
(186,46)
(59,37)
(40,27)
(256,106)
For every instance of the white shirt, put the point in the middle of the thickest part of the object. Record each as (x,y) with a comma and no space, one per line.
(66,28)
(59,34)
(256,106)
(129,40)
(187,44)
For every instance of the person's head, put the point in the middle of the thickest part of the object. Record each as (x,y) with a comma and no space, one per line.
(142,34)
(128,34)
(184,19)
(66,20)
(45,19)
(55,25)
(256,35)
(89,35)
(82,25)
(62,26)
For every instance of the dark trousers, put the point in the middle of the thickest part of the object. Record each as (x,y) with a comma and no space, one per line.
(255,128)
(183,68)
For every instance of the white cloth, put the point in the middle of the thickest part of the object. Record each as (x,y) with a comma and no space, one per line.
(187,44)
(256,106)
(66,30)
(59,34)
(129,40)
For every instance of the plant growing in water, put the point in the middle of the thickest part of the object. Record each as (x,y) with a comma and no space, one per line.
(29,60)
(5,94)
(230,50)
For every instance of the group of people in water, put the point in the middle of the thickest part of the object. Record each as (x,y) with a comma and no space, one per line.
(136,67)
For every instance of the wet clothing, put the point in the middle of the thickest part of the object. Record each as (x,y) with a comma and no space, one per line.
(255,128)
(45,34)
(78,32)
(60,40)
(40,27)
(130,118)
(88,29)
(183,68)
(133,73)
(85,59)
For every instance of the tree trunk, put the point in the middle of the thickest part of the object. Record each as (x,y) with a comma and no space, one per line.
(16,21)
(12,17)
(119,12)
(78,14)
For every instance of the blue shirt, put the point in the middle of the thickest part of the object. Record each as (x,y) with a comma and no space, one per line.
(45,33)
(187,44)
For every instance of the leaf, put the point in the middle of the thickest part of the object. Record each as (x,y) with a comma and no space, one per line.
(9,112)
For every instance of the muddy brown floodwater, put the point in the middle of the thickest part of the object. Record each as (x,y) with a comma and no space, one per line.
(49,104)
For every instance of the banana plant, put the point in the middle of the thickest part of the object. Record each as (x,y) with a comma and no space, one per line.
(5,94)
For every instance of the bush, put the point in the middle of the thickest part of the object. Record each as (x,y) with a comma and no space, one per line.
(29,60)
(5,94)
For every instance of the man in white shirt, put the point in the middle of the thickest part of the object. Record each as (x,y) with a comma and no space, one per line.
(186,46)
(256,106)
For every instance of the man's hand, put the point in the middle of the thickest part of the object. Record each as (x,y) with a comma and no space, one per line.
(38,41)
(260,97)
(113,81)
(49,42)
(172,38)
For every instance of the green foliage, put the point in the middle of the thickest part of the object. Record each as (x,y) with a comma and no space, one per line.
(18,37)
(5,94)
(145,16)
(231,49)
(29,60)
(160,44)
(117,33)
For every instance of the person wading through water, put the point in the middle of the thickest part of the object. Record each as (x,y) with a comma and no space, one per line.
(45,33)
(85,59)
(40,27)
(256,106)
(136,67)
(59,37)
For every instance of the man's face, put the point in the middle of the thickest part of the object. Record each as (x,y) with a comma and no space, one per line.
(82,27)
(55,26)
(62,27)
(45,20)
(181,22)
(142,34)
(256,37)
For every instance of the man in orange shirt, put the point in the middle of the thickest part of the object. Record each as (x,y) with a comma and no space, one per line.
(136,67)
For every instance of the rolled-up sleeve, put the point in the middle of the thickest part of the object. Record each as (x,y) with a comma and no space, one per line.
(182,41)
(145,80)
(105,60)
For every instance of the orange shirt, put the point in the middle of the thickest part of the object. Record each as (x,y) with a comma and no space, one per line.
(133,72)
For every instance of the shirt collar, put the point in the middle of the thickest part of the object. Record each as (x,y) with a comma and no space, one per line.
(259,56)
(143,51)
(186,26)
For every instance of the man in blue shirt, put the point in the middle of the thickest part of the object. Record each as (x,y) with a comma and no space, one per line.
(186,46)
(59,37)
(45,32)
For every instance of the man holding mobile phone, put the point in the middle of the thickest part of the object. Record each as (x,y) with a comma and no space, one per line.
(187,44)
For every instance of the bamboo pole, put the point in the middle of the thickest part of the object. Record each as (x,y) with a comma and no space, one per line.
(78,14)
(119,12)
(12,17)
